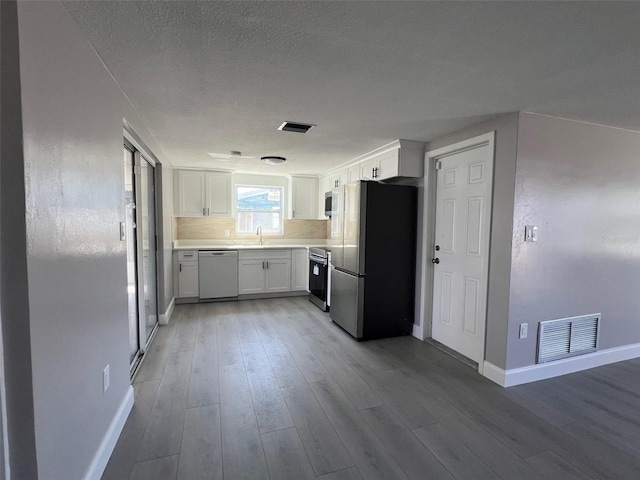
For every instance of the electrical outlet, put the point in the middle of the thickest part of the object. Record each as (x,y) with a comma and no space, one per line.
(524,330)
(227,232)
(106,380)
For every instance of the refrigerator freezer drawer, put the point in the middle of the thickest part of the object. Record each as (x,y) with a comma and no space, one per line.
(347,301)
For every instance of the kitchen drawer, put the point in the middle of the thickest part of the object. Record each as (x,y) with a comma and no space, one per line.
(186,255)
(259,254)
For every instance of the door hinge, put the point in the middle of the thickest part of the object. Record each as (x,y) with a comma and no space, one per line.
(438,165)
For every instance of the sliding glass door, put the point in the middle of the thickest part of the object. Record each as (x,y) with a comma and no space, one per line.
(147,234)
(139,231)
(132,270)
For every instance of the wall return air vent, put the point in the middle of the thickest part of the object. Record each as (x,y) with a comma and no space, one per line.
(568,337)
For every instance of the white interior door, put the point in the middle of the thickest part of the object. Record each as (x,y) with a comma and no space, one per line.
(461,249)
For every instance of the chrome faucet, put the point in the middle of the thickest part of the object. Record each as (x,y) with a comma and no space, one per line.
(259,233)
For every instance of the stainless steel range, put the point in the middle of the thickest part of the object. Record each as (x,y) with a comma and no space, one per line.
(319,277)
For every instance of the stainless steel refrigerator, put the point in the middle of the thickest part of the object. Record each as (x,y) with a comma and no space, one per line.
(373,251)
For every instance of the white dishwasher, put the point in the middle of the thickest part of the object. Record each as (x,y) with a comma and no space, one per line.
(218,273)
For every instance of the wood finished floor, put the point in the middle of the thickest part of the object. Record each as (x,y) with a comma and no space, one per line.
(271,389)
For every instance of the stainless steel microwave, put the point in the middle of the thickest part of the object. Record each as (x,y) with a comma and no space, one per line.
(327,204)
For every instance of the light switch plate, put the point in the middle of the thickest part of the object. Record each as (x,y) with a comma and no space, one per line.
(106,379)
(524,330)
(530,233)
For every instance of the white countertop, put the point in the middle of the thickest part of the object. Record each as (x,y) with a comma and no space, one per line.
(268,244)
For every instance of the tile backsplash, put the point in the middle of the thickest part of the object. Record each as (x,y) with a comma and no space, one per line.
(214,229)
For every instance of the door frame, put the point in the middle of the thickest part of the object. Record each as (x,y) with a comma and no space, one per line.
(428,230)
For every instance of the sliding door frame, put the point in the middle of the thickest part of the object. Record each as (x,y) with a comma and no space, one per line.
(142,153)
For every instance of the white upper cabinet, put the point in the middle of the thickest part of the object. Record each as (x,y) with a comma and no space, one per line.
(368,169)
(338,178)
(324,187)
(189,193)
(202,193)
(218,194)
(402,158)
(304,197)
(353,173)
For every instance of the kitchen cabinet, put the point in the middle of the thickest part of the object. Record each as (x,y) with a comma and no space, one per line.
(299,269)
(217,194)
(324,184)
(368,169)
(338,178)
(188,274)
(200,193)
(264,271)
(354,173)
(304,197)
(402,158)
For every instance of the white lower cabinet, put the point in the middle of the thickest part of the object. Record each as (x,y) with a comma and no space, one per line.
(278,275)
(264,271)
(299,269)
(251,276)
(188,274)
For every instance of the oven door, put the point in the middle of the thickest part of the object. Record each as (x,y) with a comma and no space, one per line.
(318,271)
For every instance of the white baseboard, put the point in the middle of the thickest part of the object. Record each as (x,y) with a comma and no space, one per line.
(493,373)
(166,316)
(533,373)
(101,458)
(417,332)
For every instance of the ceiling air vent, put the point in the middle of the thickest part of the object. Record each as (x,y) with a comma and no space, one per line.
(568,337)
(296,127)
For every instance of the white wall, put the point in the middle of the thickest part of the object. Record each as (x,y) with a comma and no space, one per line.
(73,115)
(167,237)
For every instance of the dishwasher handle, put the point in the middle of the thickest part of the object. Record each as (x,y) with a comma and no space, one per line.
(217,253)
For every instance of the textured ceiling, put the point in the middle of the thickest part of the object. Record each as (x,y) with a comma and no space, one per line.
(214,76)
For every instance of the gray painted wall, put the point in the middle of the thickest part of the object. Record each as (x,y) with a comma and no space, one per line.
(73,115)
(579,183)
(506,128)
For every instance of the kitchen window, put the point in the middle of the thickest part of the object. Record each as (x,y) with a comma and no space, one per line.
(259,206)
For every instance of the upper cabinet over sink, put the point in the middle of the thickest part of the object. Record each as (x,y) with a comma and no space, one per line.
(201,193)
(304,197)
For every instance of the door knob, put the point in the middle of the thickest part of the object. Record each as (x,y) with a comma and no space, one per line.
(435,260)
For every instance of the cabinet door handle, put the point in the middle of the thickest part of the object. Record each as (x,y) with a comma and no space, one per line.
(180,267)
(203,214)
(267,265)
(208,211)
(263,264)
